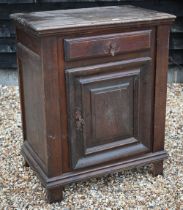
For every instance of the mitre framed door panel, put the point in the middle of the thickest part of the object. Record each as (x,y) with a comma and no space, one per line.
(109,107)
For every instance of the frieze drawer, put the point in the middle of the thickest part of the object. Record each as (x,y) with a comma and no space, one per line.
(106,45)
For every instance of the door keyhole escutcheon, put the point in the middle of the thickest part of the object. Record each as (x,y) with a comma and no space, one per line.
(79,120)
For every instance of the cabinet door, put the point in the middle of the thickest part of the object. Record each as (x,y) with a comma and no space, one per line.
(110,111)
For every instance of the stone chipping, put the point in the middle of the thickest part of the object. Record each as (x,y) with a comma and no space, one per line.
(131,189)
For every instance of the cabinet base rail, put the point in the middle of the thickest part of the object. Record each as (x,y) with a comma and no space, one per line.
(56,184)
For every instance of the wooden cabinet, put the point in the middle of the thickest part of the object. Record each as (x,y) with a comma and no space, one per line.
(93,91)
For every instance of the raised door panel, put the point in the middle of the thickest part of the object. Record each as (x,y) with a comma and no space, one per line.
(107,104)
(103,100)
(107,111)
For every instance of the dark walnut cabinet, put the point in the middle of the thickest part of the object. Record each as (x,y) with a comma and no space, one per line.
(93,91)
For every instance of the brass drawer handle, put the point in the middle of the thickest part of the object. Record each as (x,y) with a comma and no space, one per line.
(111,49)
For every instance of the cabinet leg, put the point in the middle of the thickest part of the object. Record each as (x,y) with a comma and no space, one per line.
(54,194)
(157,168)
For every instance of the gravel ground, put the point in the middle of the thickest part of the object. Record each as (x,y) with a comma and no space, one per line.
(132,189)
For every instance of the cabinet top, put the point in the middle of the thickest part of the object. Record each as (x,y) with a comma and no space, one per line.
(49,22)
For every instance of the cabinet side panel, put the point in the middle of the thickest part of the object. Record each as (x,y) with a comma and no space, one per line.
(32,101)
(161,86)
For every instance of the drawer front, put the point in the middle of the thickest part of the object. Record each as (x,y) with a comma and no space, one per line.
(106,45)
(108,118)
